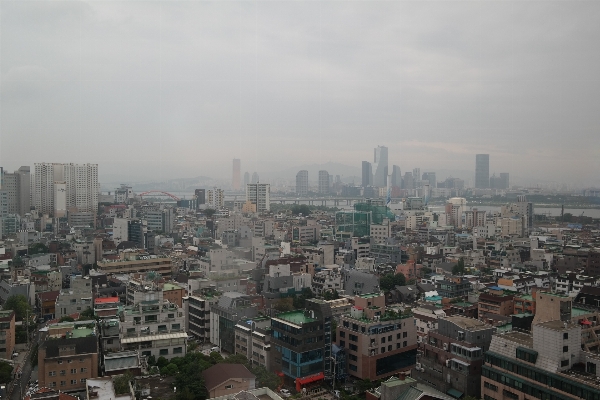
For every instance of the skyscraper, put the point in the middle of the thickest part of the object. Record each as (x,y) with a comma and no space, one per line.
(396,176)
(380,166)
(367,174)
(323,182)
(260,195)
(255,178)
(430,177)
(482,171)
(236,180)
(80,186)
(302,183)
(408,182)
(17,185)
(246,179)
(417,177)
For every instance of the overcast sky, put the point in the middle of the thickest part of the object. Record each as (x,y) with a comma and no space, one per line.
(168,89)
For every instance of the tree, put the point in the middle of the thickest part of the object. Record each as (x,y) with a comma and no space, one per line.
(151,360)
(331,295)
(426,271)
(389,281)
(209,212)
(300,209)
(19,304)
(161,362)
(266,378)
(121,383)
(284,304)
(235,359)
(170,370)
(66,318)
(37,248)
(5,372)
(17,262)
(215,357)
(459,268)
(87,314)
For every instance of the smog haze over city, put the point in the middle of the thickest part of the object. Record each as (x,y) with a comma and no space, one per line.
(160,90)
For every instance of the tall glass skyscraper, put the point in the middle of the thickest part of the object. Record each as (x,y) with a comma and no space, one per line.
(482,171)
(380,166)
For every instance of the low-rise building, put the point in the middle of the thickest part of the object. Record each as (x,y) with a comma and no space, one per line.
(197,314)
(378,342)
(228,379)
(76,299)
(452,356)
(7,334)
(252,339)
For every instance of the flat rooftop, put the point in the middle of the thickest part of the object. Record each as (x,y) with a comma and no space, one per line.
(369,295)
(523,339)
(295,317)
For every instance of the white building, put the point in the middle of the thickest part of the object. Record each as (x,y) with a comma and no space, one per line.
(215,198)
(81,186)
(260,195)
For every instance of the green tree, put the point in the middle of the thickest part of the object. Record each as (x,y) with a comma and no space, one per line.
(265,378)
(284,304)
(215,357)
(87,314)
(161,362)
(235,359)
(209,212)
(170,370)
(19,304)
(152,360)
(121,383)
(66,318)
(5,372)
(300,209)
(331,295)
(17,262)
(459,268)
(37,248)
(389,281)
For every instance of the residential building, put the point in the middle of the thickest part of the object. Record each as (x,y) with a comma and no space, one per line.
(68,357)
(426,320)
(327,279)
(227,379)
(453,287)
(495,304)
(482,171)
(215,198)
(252,339)
(357,282)
(302,183)
(80,187)
(18,189)
(7,334)
(231,308)
(154,327)
(452,356)
(197,314)
(173,293)
(323,182)
(76,299)
(546,364)
(378,343)
(46,302)
(133,262)
(259,194)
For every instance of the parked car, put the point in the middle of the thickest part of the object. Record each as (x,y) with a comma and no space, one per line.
(285,393)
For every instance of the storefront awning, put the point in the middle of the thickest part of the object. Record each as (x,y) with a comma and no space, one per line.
(308,379)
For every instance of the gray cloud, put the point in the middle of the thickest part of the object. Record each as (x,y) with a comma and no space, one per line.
(168,88)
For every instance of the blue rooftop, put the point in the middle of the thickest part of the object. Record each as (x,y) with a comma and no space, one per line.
(495,288)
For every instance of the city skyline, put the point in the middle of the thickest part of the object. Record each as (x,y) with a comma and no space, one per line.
(437,83)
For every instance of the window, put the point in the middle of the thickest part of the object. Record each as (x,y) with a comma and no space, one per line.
(565,349)
(490,386)
(73,381)
(398,345)
(352,367)
(164,352)
(83,369)
(63,372)
(390,338)
(564,363)
(63,383)
(228,386)
(353,347)
(383,339)
(60,361)
(486,397)
(73,370)
(82,380)
(390,347)
(565,335)
(170,315)
(81,360)
(342,343)
(404,344)
(178,350)
(591,368)
(69,361)
(53,373)
(510,395)
(176,327)
(353,338)
(383,350)
(398,336)
(404,334)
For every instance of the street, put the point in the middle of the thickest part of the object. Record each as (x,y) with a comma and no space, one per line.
(21,384)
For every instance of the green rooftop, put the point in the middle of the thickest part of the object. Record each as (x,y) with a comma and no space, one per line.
(369,295)
(576,312)
(296,317)
(525,297)
(5,313)
(81,332)
(170,286)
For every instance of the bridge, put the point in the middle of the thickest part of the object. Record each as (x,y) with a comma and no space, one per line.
(159,193)
(316,200)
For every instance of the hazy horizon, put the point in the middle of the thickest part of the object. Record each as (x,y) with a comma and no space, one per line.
(159,90)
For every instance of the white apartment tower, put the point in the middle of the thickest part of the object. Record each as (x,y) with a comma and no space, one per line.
(80,184)
(259,194)
(17,185)
(215,198)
